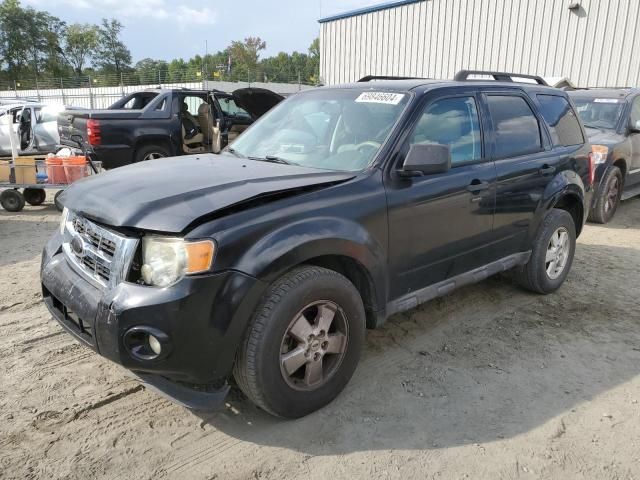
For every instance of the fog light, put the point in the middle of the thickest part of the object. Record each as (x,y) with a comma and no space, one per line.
(154,344)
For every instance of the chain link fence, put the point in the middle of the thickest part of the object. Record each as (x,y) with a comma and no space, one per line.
(102,90)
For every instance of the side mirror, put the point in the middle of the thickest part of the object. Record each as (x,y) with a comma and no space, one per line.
(634,127)
(426,159)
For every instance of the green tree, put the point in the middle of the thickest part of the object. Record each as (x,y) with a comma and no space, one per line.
(245,55)
(80,41)
(112,55)
(29,39)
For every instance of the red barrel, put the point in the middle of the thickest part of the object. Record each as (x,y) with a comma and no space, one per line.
(55,171)
(75,168)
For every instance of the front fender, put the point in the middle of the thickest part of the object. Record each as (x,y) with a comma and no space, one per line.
(299,242)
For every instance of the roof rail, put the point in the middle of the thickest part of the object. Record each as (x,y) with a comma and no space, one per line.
(463,75)
(369,78)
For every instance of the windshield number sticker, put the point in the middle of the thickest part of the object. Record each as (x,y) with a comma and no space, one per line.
(606,100)
(380,97)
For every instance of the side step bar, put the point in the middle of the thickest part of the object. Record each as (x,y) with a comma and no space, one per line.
(413,299)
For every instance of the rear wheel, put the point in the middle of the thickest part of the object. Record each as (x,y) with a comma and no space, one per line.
(608,197)
(34,196)
(552,254)
(12,200)
(303,344)
(151,152)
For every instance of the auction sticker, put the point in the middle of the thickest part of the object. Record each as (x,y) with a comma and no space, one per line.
(606,100)
(380,97)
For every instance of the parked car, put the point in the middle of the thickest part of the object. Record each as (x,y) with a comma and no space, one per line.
(612,120)
(35,125)
(160,123)
(340,207)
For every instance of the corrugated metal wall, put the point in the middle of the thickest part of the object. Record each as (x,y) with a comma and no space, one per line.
(595,46)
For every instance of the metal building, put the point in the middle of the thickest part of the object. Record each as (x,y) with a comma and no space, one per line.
(594,43)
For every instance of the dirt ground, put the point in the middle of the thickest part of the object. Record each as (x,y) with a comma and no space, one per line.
(489,382)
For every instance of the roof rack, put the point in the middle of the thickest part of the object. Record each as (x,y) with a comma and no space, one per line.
(369,78)
(463,75)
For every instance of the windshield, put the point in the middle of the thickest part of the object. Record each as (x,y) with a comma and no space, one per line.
(599,112)
(326,129)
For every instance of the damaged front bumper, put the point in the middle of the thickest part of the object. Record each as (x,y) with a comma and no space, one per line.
(199,323)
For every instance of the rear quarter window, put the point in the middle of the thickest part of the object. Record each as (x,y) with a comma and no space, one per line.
(561,119)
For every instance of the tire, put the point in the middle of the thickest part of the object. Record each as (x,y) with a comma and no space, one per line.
(150,152)
(298,297)
(12,200)
(535,275)
(34,196)
(57,202)
(608,199)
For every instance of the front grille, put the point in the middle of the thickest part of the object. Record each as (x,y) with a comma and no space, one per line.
(99,254)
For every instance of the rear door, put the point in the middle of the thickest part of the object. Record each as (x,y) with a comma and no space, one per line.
(526,161)
(441,224)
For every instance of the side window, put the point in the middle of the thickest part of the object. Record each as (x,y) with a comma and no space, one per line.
(230,109)
(516,127)
(191,104)
(635,112)
(561,119)
(454,122)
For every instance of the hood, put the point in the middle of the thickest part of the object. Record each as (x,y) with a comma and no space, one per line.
(601,136)
(256,101)
(170,194)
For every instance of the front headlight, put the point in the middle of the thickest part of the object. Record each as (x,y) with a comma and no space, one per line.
(600,153)
(63,219)
(167,259)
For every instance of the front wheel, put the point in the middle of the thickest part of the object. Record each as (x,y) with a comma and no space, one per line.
(34,196)
(552,254)
(303,344)
(12,200)
(608,199)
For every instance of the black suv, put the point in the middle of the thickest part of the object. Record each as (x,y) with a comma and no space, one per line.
(338,208)
(612,121)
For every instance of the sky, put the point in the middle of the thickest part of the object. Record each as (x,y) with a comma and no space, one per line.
(167,29)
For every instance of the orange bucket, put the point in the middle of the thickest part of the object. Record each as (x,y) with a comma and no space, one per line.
(55,171)
(75,168)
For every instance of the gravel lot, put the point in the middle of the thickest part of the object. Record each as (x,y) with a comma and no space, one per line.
(489,382)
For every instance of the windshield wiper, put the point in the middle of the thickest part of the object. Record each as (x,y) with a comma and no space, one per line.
(233,151)
(273,159)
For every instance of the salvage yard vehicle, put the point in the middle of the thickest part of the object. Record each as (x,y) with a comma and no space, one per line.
(35,124)
(612,121)
(340,207)
(159,123)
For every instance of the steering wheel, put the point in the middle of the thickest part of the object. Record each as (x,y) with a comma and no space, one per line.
(368,144)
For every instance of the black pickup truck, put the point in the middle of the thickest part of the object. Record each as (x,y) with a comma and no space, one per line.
(344,205)
(612,120)
(160,123)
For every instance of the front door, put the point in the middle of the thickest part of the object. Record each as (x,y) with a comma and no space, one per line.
(440,224)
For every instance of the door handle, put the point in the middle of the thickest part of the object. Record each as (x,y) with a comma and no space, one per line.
(476,186)
(547,170)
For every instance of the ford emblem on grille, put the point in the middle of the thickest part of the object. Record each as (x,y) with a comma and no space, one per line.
(77,246)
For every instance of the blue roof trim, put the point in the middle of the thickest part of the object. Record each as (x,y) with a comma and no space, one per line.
(373,8)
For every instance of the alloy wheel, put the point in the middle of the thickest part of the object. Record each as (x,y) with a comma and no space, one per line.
(314,345)
(612,195)
(152,156)
(557,253)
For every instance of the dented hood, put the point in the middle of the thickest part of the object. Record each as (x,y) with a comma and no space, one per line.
(170,194)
